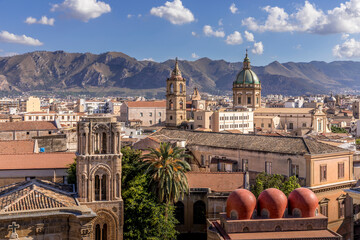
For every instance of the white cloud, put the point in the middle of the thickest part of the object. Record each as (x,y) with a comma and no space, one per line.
(233,8)
(234,39)
(345,36)
(298,46)
(342,19)
(174,12)
(8,54)
(220,22)
(43,20)
(194,55)
(249,36)
(208,31)
(82,9)
(23,39)
(349,49)
(130,16)
(149,59)
(258,48)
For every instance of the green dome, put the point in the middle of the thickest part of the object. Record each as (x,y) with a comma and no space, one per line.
(246,76)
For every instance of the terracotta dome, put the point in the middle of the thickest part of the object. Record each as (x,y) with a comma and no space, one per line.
(240,204)
(302,203)
(272,203)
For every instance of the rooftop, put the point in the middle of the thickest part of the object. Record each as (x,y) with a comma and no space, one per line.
(34,195)
(147,104)
(36,161)
(284,110)
(276,144)
(216,181)
(310,234)
(27,126)
(16,147)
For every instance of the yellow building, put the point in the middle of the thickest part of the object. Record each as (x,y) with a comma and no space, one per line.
(33,104)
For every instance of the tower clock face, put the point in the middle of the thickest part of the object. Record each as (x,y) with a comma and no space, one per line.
(201,106)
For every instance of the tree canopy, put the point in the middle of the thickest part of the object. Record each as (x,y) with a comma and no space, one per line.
(144,216)
(166,167)
(264,181)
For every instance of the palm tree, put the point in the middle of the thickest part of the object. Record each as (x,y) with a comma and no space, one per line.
(166,168)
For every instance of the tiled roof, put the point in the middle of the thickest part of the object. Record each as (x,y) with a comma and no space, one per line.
(276,144)
(34,195)
(301,235)
(27,126)
(284,110)
(36,161)
(147,104)
(16,147)
(216,181)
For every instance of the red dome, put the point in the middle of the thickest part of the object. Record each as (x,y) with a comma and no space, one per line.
(272,203)
(303,199)
(241,202)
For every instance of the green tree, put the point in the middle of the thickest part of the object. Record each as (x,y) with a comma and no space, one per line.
(71,171)
(144,216)
(264,181)
(166,168)
(336,129)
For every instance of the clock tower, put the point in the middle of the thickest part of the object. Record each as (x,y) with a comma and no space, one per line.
(175,98)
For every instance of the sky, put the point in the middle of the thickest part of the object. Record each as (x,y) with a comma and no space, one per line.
(281,30)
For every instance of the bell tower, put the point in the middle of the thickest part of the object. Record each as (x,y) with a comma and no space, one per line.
(98,170)
(175,98)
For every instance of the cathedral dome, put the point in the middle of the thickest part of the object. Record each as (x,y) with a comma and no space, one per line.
(302,203)
(247,76)
(240,204)
(272,203)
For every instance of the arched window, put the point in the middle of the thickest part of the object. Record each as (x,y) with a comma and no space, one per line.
(181,88)
(97,188)
(199,212)
(171,105)
(239,100)
(171,88)
(97,232)
(181,105)
(103,188)
(117,185)
(170,117)
(104,232)
(103,146)
(180,212)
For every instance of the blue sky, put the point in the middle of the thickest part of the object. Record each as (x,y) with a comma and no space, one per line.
(280,30)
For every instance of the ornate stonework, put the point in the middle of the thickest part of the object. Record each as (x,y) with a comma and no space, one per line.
(99,175)
(175,98)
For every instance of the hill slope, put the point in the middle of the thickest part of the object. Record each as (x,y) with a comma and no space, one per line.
(51,71)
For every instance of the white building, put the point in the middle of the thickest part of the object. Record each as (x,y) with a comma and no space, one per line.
(217,121)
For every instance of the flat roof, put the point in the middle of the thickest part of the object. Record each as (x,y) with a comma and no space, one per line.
(310,234)
(284,110)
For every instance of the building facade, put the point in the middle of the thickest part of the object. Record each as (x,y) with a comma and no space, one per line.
(99,174)
(175,98)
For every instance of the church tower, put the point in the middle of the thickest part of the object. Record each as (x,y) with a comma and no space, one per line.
(246,88)
(175,98)
(98,170)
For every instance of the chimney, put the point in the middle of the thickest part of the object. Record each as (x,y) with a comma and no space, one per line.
(36,146)
(246,180)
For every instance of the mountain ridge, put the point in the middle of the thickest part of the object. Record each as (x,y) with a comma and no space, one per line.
(50,71)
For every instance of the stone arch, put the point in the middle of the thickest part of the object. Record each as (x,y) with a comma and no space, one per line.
(181,104)
(171,88)
(101,185)
(107,224)
(181,88)
(171,105)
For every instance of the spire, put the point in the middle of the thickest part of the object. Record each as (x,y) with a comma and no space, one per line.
(246,63)
(176,71)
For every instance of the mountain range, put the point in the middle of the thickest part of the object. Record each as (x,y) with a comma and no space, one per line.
(116,72)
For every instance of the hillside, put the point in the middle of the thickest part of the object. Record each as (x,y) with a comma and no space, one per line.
(119,73)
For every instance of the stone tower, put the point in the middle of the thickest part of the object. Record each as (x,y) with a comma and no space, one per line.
(246,88)
(175,98)
(98,170)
